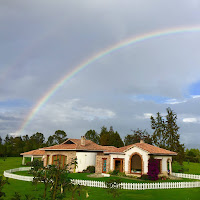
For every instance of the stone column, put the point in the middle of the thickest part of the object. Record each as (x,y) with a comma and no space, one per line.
(23,160)
(50,160)
(31,158)
(170,167)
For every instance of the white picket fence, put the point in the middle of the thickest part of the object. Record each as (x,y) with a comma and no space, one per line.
(9,174)
(127,186)
(139,186)
(189,176)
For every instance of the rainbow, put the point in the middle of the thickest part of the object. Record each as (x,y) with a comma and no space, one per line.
(99,55)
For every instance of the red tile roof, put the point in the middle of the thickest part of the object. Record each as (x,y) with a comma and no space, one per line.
(36,152)
(75,144)
(89,145)
(149,148)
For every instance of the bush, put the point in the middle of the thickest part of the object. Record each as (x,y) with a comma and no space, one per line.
(163,178)
(121,174)
(114,172)
(28,164)
(144,177)
(153,170)
(91,169)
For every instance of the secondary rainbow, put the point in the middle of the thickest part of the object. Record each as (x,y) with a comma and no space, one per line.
(99,55)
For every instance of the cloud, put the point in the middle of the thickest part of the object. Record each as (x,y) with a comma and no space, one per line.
(147,115)
(195,96)
(174,101)
(74,110)
(190,120)
(41,42)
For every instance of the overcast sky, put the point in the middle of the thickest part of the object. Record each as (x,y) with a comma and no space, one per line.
(42,41)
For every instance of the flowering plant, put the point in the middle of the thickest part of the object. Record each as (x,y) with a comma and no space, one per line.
(153,169)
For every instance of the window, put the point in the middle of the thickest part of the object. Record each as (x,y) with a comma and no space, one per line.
(59,160)
(104,165)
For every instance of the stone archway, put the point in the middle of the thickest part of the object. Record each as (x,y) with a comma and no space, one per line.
(136,164)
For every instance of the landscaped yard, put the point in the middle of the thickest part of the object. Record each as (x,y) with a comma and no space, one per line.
(96,193)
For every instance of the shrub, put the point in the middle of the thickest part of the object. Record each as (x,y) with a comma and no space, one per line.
(163,178)
(91,169)
(121,174)
(144,177)
(153,170)
(28,164)
(114,172)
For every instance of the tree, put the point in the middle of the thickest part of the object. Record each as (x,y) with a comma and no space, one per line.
(137,136)
(50,141)
(92,135)
(1,148)
(116,140)
(110,138)
(26,141)
(113,187)
(2,183)
(159,135)
(18,146)
(53,177)
(166,133)
(60,136)
(192,155)
(41,174)
(37,140)
(104,136)
(8,145)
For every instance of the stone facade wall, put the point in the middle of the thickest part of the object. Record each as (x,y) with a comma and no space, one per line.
(99,163)
(69,154)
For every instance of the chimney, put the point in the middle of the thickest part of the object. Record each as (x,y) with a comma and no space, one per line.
(83,140)
(141,141)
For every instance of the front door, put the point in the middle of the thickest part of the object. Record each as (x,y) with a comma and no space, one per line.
(118,164)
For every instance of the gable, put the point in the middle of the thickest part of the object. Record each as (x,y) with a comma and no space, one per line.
(135,149)
(68,142)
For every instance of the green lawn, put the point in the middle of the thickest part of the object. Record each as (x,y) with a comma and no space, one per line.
(188,168)
(95,193)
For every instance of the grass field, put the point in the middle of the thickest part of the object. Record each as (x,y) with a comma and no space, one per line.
(96,193)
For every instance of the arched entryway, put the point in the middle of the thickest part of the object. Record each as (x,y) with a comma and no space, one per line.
(136,164)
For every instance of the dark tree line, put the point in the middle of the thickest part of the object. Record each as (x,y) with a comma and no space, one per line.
(192,155)
(13,146)
(105,138)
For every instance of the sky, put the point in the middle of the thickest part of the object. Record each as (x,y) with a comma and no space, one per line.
(63,66)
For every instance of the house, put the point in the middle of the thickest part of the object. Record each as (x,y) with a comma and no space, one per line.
(131,159)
